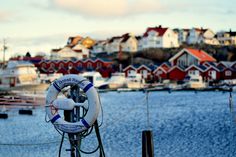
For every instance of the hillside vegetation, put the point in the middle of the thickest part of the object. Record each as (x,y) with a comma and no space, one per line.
(159,55)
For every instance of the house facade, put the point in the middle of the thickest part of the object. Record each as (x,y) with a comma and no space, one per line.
(129,43)
(86,42)
(227,38)
(99,47)
(77,66)
(189,56)
(67,53)
(200,35)
(161,72)
(182,35)
(159,37)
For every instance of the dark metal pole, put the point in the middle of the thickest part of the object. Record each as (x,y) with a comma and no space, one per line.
(73,116)
(147,137)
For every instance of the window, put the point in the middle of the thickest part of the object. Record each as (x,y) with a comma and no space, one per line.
(61,65)
(44,65)
(52,65)
(79,64)
(99,65)
(159,72)
(89,65)
(144,73)
(228,73)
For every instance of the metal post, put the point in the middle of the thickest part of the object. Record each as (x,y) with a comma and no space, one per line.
(148,123)
(73,116)
(147,139)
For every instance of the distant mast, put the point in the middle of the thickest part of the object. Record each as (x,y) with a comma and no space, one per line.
(4,50)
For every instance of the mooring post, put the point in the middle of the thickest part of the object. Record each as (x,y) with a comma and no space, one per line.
(147,144)
(147,137)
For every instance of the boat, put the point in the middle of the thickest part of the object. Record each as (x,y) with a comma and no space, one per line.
(96,79)
(194,82)
(49,78)
(20,76)
(135,81)
(117,80)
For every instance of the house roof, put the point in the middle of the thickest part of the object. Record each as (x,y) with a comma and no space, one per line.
(232,34)
(176,67)
(130,66)
(199,67)
(226,63)
(114,38)
(125,37)
(160,30)
(201,55)
(144,66)
(161,68)
(74,40)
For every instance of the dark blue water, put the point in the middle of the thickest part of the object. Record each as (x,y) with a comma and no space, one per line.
(183,124)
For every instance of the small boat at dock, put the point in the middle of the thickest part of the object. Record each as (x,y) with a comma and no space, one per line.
(20,76)
(117,80)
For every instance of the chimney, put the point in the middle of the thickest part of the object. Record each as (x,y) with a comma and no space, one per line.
(159,26)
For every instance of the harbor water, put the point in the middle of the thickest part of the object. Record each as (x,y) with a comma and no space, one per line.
(196,124)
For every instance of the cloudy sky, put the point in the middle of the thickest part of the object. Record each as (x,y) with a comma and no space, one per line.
(40,25)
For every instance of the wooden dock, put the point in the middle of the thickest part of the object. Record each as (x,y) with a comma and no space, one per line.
(20,101)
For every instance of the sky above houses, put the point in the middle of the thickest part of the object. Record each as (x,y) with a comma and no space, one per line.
(40,25)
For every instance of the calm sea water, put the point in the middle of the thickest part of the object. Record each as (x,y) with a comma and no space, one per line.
(183,123)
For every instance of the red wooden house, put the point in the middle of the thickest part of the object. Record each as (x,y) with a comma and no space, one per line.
(211,73)
(88,64)
(161,72)
(176,73)
(130,70)
(224,64)
(145,72)
(228,73)
(195,70)
(189,56)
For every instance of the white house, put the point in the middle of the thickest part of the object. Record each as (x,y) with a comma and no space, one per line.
(182,35)
(125,43)
(63,53)
(113,44)
(227,38)
(99,47)
(67,53)
(81,51)
(129,43)
(159,37)
(198,36)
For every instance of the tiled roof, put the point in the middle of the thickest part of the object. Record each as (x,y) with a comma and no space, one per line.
(201,55)
(125,37)
(160,30)
(226,63)
(231,33)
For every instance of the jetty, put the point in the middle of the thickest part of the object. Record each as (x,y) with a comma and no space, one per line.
(20,101)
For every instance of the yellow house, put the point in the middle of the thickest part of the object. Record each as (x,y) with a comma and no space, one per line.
(86,42)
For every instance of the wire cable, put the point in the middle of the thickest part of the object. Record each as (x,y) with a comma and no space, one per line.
(62,139)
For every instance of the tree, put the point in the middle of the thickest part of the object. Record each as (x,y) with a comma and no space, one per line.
(27,54)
